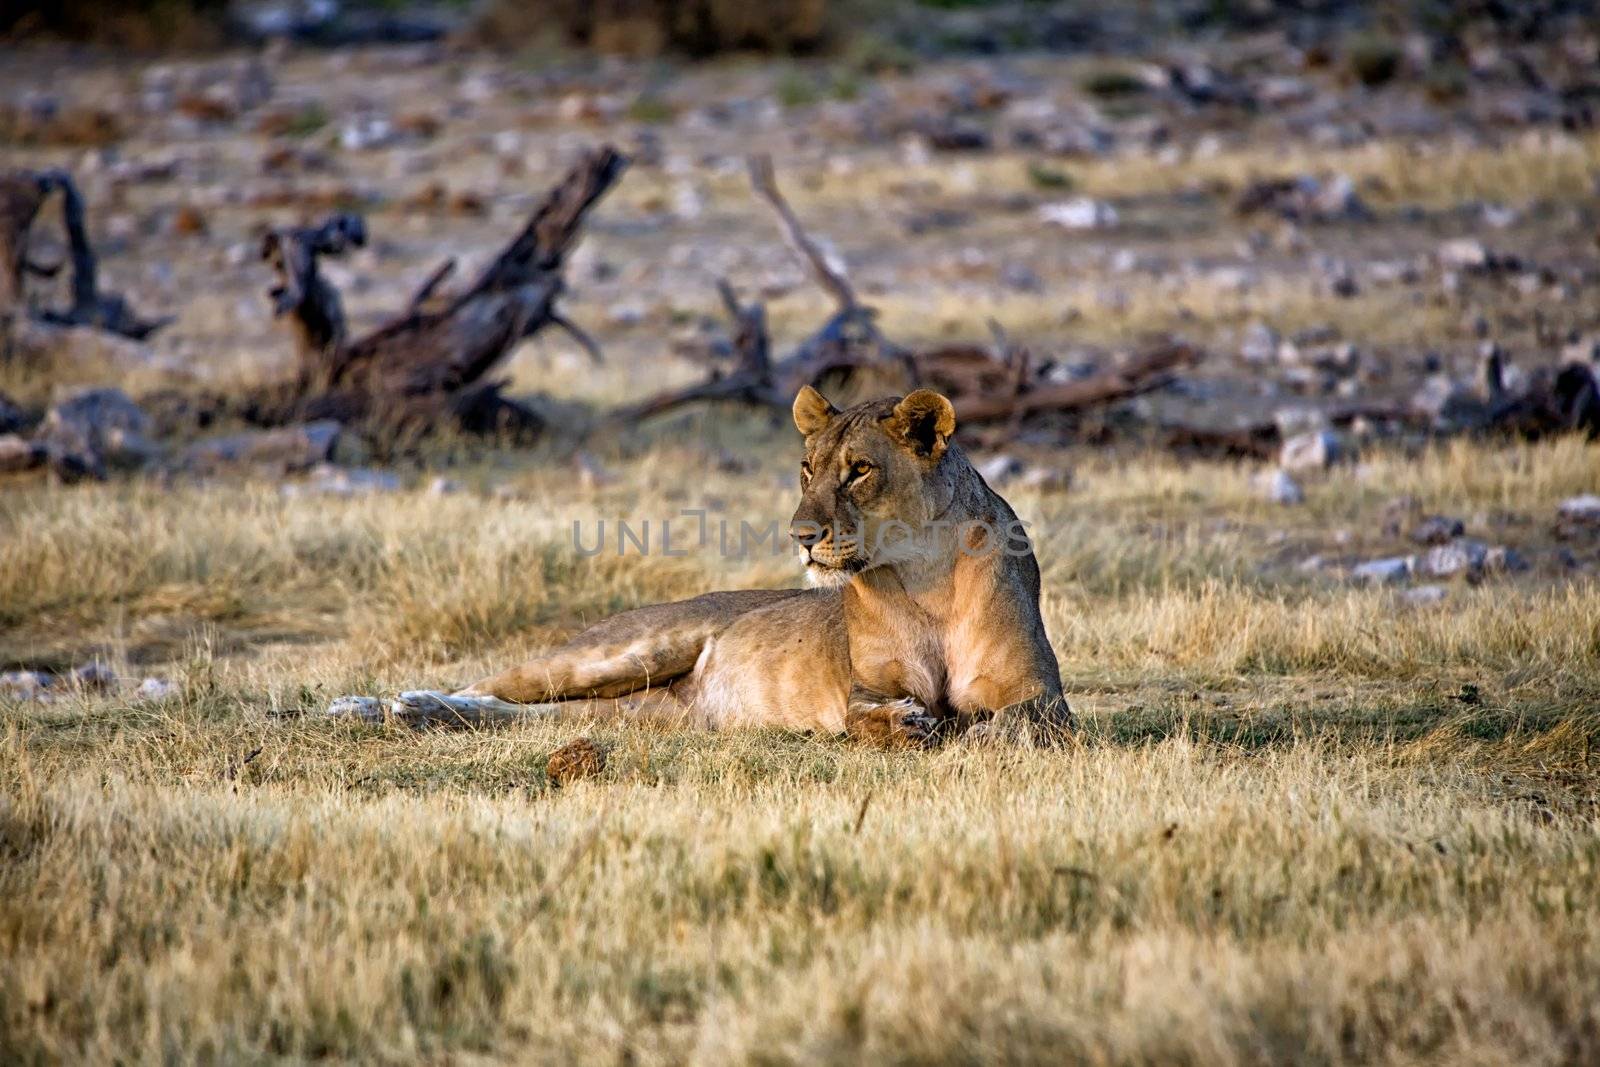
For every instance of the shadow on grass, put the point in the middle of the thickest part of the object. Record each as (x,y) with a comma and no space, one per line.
(1464,712)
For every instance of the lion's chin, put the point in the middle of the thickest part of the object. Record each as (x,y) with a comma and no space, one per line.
(828,577)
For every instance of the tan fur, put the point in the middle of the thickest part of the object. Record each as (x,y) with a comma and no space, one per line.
(916,628)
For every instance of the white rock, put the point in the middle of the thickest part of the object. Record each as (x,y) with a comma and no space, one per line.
(1336,199)
(1500,216)
(1425,595)
(1464,253)
(156,689)
(1279,487)
(1383,571)
(1080,213)
(1000,469)
(25,685)
(1317,450)
(1461,556)
(367,132)
(1501,559)
(626,313)
(1585,508)
(1260,343)
(442,486)
(1292,420)
(688,202)
(92,676)
(328,480)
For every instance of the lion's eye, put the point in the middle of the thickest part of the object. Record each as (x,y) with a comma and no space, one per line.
(859,469)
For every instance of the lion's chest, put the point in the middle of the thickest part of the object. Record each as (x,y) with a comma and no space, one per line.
(905,661)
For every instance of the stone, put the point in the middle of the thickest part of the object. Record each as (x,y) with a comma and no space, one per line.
(1000,469)
(154,690)
(1280,487)
(1293,419)
(1578,518)
(1316,450)
(329,480)
(1260,344)
(92,676)
(19,455)
(1501,559)
(442,486)
(1465,253)
(1080,213)
(1436,530)
(99,425)
(1585,508)
(1460,557)
(1390,571)
(368,132)
(1425,595)
(25,685)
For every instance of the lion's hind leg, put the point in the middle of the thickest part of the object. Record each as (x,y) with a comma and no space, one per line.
(423,707)
(646,648)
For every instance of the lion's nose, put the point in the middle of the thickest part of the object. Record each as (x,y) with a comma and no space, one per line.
(806,534)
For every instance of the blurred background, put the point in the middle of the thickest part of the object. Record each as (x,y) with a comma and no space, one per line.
(1350,208)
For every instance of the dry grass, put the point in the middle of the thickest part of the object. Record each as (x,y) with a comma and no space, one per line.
(1305,822)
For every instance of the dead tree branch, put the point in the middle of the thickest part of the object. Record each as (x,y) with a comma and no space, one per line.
(431,361)
(22,195)
(848,340)
(765,183)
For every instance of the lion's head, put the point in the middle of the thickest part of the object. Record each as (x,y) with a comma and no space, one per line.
(875,479)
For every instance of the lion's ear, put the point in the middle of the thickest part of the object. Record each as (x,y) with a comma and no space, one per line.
(812,412)
(923,422)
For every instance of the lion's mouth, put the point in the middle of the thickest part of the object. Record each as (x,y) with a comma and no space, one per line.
(826,568)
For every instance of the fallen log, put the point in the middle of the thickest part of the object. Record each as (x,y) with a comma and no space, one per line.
(428,365)
(22,195)
(1146,371)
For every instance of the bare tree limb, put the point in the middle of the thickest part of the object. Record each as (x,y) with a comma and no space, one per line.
(436,279)
(765,184)
(22,194)
(585,342)
(1149,370)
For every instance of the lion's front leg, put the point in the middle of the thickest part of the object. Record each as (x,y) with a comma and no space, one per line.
(1043,719)
(890,723)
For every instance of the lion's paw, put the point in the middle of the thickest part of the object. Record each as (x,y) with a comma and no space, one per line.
(365,709)
(896,724)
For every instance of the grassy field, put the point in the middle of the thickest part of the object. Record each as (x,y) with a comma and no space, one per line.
(1306,821)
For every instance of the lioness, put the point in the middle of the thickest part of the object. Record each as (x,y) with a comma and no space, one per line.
(925,619)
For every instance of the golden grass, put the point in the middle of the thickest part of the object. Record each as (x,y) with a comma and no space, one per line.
(1305,822)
